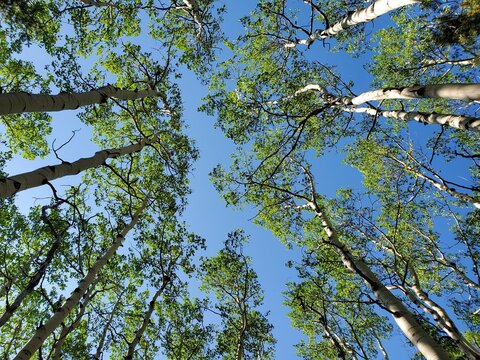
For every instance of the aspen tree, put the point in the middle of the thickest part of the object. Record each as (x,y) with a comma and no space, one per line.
(43,332)
(13,184)
(14,103)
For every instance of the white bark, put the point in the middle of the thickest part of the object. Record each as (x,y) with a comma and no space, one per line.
(41,176)
(14,103)
(101,343)
(444,321)
(57,350)
(439,185)
(378,8)
(382,348)
(456,91)
(405,320)
(194,10)
(455,121)
(94,3)
(44,331)
(467,92)
(462,62)
(419,297)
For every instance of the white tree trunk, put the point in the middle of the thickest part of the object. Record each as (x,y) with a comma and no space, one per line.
(41,176)
(445,322)
(14,103)
(378,8)
(467,92)
(58,346)
(405,320)
(455,121)
(44,331)
(194,10)
(106,328)
(439,185)
(461,62)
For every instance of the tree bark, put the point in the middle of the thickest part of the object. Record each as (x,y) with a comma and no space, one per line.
(194,10)
(101,343)
(41,176)
(401,315)
(34,280)
(44,331)
(455,121)
(444,321)
(469,92)
(57,350)
(378,8)
(146,320)
(466,92)
(460,62)
(439,185)
(22,102)
(415,292)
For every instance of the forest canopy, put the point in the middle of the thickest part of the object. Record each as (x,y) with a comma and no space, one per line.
(109,266)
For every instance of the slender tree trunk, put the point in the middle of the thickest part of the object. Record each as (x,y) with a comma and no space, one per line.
(401,315)
(445,322)
(57,352)
(382,348)
(239,352)
(44,331)
(439,185)
(455,121)
(419,297)
(101,343)
(34,280)
(336,342)
(461,62)
(378,8)
(442,318)
(41,176)
(94,3)
(194,10)
(22,102)
(146,320)
(467,92)
(448,91)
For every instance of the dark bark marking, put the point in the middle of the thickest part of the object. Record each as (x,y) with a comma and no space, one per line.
(421,91)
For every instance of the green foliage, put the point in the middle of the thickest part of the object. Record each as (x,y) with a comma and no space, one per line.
(245,332)
(396,224)
(459,27)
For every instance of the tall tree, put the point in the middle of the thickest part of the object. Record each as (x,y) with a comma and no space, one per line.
(60,315)
(245,333)
(42,176)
